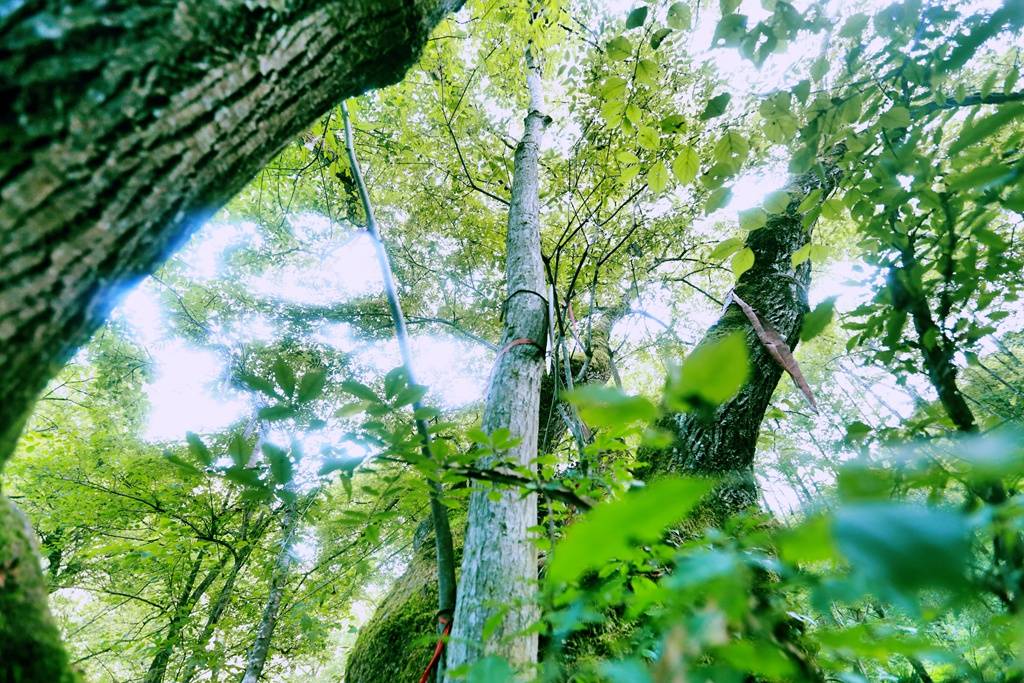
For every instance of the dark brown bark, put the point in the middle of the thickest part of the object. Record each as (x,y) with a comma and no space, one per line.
(723,445)
(127,124)
(937,350)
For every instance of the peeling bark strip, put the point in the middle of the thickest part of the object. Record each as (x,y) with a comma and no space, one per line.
(724,445)
(127,125)
(499,562)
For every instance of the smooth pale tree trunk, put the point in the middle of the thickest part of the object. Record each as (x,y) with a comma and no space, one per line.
(179,618)
(499,561)
(389,646)
(723,445)
(125,126)
(257,657)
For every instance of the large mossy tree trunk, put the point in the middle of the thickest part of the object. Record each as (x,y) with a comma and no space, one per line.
(499,561)
(125,126)
(722,445)
(30,644)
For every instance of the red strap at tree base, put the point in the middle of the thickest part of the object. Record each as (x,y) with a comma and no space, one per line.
(438,649)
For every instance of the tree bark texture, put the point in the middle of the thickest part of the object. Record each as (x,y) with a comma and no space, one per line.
(388,645)
(499,561)
(30,644)
(126,125)
(723,445)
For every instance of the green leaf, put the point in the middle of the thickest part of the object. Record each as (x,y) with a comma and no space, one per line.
(742,261)
(619,48)
(716,106)
(239,449)
(359,390)
(817,320)
(717,199)
(832,208)
(686,165)
(613,530)
(679,16)
(281,411)
(978,130)
(732,147)
(311,386)
(810,201)
(198,449)
(730,31)
(819,68)
(904,545)
(897,117)
(726,248)
(711,374)
(647,72)
(636,18)
(394,381)
(777,202)
(800,255)
(280,463)
(257,383)
(810,541)
(752,219)
(648,138)
(991,175)
(613,88)
(410,394)
(285,376)
(491,669)
(659,36)
(603,406)
(657,177)
(347,465)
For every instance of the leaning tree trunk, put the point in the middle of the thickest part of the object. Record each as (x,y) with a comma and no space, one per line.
(257,656)
(723,445)
(126,126)
(499,561)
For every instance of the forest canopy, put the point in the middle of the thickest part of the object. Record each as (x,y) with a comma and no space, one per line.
(634,341)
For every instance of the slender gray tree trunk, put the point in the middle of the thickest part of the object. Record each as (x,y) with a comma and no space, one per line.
(257,656)
(220,604)
(179,618)
(499,561)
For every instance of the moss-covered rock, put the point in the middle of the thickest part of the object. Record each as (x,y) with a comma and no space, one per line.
(30,643)
(397,642)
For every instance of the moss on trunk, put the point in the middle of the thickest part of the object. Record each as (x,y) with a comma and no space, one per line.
(30,643)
